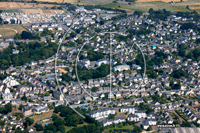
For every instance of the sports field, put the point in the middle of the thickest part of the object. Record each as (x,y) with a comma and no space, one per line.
(10,30)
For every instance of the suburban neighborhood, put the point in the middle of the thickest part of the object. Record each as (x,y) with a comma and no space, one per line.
(97,69)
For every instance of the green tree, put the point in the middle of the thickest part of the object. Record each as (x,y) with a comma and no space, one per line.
(24,98)
(28,121)
(137,129)
(8,107)
(17,36)
(39,127)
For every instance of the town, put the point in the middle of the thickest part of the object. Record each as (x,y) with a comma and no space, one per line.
(123,71)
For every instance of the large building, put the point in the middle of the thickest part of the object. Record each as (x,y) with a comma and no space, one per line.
(121,68)
(98,114)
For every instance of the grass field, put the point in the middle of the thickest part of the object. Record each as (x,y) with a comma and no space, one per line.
(145,6)
(43,116)
(141,5)
(59,1)
(123,127)
(69,128)
(11,30)
(159,0)
(18,5)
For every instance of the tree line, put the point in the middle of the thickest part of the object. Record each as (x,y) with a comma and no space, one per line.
(33,51)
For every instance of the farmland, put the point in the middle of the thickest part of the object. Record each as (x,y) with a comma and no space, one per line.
(18,5)
(141,5)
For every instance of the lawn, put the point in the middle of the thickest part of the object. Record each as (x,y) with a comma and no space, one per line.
(10,30)
(69,128)
(123,127)
(140,6)
(42,116)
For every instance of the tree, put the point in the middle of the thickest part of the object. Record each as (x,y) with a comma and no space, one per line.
(94,89)
(8,107)
(137,129)
(28,121)
(24,98)
(51,127)
(17,36)
(101,22)
(111,116)
(61,129)
(47,94)
(59,122)
(149,128)
(28,35)
(39,127)
(2,123)
(1,21)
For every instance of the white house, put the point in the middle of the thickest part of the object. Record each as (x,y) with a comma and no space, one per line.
(40,110)
(115,121)
(49,28)
(105,61)
(98,114)
(133,118)
(10,81)
(141,114)
(40,28)
(59,27)
(129,109)
(85,63)
(121,68)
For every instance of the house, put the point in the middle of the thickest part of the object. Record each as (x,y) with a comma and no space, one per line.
(59,28)
(40,110)
(10,81)
(149,100)
(138,100)
(129,109)
(15,51)
(98,114)
(141,114)
(137,67)
(126,102)
(24,88)
(152,121)
(118,95)
(27,111)
(111,121)
(84,63)
(49,28)
(105,61)
(58,95)
(145,124)
(133,118)
(121,68)
(40,28)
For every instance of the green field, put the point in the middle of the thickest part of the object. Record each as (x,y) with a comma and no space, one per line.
(145,6)
(123,127)
(10,30)
(69,128)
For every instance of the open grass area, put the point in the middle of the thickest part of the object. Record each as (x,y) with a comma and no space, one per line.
(140,6)
(123,127)
(59,1)
(42,116)
(10,30)
(18,5)
(159,0)
(80,125)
